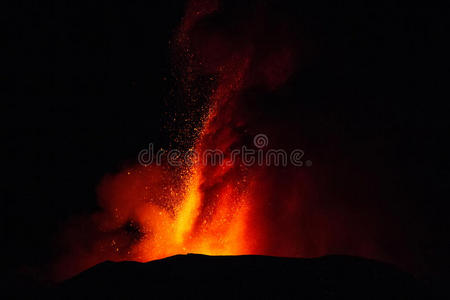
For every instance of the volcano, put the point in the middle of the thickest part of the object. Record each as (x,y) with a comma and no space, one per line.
(333,102)
(232,64)
(195,276)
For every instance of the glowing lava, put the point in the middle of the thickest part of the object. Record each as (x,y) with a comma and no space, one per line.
(157,211)
(153,212)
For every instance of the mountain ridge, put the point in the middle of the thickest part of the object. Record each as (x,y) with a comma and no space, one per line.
(247,276)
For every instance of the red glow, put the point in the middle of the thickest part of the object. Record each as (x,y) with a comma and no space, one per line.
(216,210)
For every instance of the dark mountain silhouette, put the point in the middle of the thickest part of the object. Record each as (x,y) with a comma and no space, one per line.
(199,276)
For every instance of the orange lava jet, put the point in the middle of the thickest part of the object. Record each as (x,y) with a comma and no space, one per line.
(156,211)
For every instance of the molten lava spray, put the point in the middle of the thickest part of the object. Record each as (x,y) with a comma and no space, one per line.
(151,212)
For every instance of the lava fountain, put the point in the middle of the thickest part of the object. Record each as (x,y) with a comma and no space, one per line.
(151,212)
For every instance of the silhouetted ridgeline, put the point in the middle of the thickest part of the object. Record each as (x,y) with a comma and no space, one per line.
(211,277)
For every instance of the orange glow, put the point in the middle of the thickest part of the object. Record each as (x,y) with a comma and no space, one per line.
(152,212)
(189,225)
(188,211)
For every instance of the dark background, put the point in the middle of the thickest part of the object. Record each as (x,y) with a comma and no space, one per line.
(86,83)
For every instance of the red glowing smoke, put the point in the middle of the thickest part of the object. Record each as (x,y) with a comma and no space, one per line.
(157,211)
